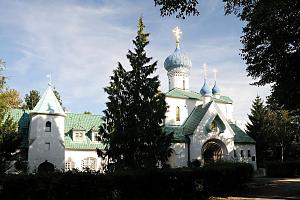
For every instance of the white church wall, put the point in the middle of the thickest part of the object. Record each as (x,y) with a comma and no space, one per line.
(179,157)
(186,107)
(242,154)
(76,157)
(171,112)
(45,145)
(227,110)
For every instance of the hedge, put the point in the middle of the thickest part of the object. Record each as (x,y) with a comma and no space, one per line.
(287,169)
(185,183)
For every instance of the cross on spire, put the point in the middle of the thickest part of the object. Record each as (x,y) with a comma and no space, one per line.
(177,32)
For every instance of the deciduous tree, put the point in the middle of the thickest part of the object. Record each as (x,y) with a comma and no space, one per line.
(271,40)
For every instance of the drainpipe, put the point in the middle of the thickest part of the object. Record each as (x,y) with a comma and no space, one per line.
(189,150)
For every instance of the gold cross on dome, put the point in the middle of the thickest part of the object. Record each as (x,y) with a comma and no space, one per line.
(177,32)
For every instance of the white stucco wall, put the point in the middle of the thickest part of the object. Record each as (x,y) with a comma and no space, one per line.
(76,157)
(246,158)
(46,145)
(179,157)
(227,110)
(186,106)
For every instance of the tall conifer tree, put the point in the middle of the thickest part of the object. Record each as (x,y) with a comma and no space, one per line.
(32,99)
(256,128)
(135,112)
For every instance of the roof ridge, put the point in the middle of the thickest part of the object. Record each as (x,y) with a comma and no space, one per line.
(83,114)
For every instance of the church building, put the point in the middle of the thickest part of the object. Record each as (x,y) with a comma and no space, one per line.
(202,124)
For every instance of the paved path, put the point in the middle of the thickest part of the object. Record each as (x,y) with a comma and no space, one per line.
(268,188)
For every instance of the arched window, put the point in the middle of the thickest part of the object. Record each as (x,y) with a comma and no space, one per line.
(48,127)
(177,113)
(184,84)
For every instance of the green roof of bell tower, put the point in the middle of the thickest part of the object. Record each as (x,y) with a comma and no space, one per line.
(48,104)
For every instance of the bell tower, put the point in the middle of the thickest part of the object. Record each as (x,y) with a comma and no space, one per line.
(46,132)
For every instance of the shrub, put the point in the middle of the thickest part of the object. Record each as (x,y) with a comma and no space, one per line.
(287,169)
(222,177)
(183,183)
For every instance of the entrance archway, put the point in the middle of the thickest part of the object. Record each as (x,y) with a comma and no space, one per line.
(213,150)
(46,167)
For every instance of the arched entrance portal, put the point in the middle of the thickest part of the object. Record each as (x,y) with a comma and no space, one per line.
(213,150)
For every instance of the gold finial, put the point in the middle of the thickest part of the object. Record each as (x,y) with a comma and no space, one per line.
(177,32)
(205,70)
(215,73)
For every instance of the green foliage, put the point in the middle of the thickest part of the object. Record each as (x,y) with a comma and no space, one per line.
(174,184)
(275,130)
(183,8)
(87,112)
(225,176)
(282,129)
(256,129)
(10,98)
(135,111)
(9,139)
(272,46)
(32,99)
(287,169)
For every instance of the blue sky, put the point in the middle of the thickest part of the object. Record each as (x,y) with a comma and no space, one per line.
(80,43)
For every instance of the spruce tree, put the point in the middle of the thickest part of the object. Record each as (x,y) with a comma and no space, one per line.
(32,99)
(256,129)
(135,112)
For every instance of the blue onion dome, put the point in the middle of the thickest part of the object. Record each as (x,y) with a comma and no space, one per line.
(205,90)
(177,60)
(216,89)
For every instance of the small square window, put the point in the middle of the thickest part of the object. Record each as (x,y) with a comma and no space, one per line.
(67,166)
(95,137)
(48,127)
(47,146)
(78,136)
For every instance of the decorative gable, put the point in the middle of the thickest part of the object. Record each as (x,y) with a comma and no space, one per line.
(216,125)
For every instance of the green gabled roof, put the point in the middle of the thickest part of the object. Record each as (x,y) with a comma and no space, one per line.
(187,94)
(87,144)
(177,131)
(194,119)
(240,136)
(20,116)
(82,121)
(190,124)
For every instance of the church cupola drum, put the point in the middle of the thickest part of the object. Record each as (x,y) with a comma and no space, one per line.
(178,66)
